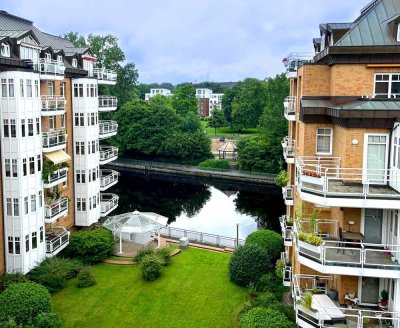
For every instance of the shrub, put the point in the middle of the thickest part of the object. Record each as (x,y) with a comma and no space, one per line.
(53,272)
(47,320)
(266,299)
(271,283)
(23,302)
(142,253)
(259,317)
(268,240)
(91,246)
(164,254)
(310,238)
(221,164)
(7,279)
(306,301)
(247,264)
(85,278)
(282,179)
(279,268)
(151,267)
(286,309)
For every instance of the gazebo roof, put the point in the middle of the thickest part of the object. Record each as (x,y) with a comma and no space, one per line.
(228,147)
(135,222)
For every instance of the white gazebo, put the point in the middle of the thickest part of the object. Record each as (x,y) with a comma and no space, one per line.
(136,227)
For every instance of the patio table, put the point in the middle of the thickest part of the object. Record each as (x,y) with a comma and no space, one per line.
(353,236)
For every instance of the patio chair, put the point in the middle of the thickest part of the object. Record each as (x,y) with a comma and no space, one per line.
(342,245)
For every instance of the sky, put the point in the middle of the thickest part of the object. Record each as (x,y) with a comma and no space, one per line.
(193,41)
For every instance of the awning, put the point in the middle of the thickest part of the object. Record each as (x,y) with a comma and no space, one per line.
(58,156)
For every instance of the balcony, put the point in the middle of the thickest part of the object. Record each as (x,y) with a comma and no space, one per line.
(321,180)
(107,103)
(105,76)
(53,105)
(56,177)
(289,150)
(50,69)
(57,238)
(108,203)
(55,208)
(286,270)
(288,195)
(287,230)
(290,108)
(54,140)
(325,252)
(324,312)
(294,60)
(108,154)
(108,178)
(107,129)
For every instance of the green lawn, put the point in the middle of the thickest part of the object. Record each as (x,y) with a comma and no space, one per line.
(227,132)
(194,291)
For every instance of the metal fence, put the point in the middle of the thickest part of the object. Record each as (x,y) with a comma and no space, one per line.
(200,237)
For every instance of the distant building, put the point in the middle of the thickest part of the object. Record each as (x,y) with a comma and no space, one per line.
(154,92)
(208,101)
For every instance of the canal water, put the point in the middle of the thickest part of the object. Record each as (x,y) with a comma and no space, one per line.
(208,206)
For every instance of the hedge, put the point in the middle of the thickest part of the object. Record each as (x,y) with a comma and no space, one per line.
(260,317)
(268,240)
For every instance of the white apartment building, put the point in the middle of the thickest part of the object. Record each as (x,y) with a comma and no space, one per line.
(160,91)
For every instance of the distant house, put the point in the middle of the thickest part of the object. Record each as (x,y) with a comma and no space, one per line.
(154,92)
(208,101)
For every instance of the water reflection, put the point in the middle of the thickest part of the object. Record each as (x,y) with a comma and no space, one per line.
(212,208)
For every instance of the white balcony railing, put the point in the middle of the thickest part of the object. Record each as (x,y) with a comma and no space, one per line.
(108,154)
(287,230)
(295,59)
(108,178)
(56,177)
(107,103)
(107,129)
(53,105)
(50,67)
(55,208)
(289,149)
(286,270)
(108,202)
(56,240)
(288,195)
(54,140)
(104,75)
(290,108)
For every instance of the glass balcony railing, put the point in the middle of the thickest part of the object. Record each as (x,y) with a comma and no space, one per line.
(108,202)
(107,129)
(56,177)
(50,67)
(55,208)
(57,238)
(104,75)
(108,178)
(54,140)
(108,154)
(53,105)
(107,103)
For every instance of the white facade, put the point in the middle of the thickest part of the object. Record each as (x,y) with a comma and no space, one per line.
(203,93)
(155,92)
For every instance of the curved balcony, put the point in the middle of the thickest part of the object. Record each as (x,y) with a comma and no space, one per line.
(294,60)
(107,103)
(105,76)
(54,140)
(55,208)
(50,69)
(108,203)
(287,230)
(56,177)
(108,178)
(108,154)
(53,105)
(290,108)
(288,195)
(289,149)
(57,238)
(107,129)
(286,270)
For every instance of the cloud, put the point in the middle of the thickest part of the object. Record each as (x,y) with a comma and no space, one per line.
(181,40)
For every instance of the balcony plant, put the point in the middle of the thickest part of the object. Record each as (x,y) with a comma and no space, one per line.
(48,169)
(306,301)
(384,297)
(282,179)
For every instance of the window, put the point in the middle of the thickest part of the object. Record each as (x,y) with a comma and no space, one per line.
(40,198)
(48,56)
(324,141)
(77,148)
(30,127)
(24,167)
(6,129)
(14,168)
(50,88)
(82,148)
(39,162)
(37,126)
(13,129)
(78,90)
(27,243)
(29,88)
(398,32)
(387,85)
(10,245)
(63,121)
(17,246)
(26,207)
(31,165)
(7,167)
(62,89)
(23,133)
(33,203)
(4,92)
(36,88)
(9,206)
(5,50)
(74,63)
(21,87)
(34,240)
(11,87)
(16,207)
(59,59)
(41,234)
(51,122)
(81,204)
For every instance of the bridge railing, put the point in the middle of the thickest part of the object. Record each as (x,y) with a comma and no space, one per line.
(150,164)
(200,237)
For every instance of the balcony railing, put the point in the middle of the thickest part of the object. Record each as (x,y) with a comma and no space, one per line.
(325,313)
(54,140)
(56,177)
(287,230)
(108,178)
(289,149)
(53,105)
(290,108)
(105,75)
(286,270)
(50,67)
(55,208)
(288,195)
(325,179)
(107,103)
(56,240)
(107,129)
(108,154)
(108,202)
(296,59)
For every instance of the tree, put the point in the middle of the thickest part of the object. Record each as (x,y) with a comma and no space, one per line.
(184,100)
(127,78)
(107,51)
(227,100)
(77,40)
(268,240)
(217,120)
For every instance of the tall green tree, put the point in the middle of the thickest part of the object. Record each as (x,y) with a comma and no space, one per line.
(217,120)
(184,100)
(77,40)
(227,101)
(126,87)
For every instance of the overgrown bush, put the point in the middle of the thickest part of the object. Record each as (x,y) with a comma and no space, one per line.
(260,317)
(268,240)
(279,268)
(286,309)
(247,264)
(23,302)
(164,254)
(142,253)
(85,278)
(282,179)
(7,279)
(91,246)
(221,164)
(53,272)
(47,320)
(266,299)
(151,267)
(271,283)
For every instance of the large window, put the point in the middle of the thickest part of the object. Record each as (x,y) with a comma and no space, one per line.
(5,50)
(387,85)
(324,141)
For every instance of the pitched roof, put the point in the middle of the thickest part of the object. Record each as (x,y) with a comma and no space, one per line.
(372,28)
(370,105)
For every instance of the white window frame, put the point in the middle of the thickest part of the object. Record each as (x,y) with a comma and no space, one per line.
(5,49)
(387,157)
(389,95)
(330,144)
(398,32)
(74,63)
(59,59)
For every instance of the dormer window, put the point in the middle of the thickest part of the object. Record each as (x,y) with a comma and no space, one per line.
(398,32)
(59,59)
(48,56)
(5,50)
(74,63)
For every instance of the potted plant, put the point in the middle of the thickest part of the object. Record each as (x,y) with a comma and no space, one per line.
(384,297)
(352,294)
(282,179)
(307,300)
